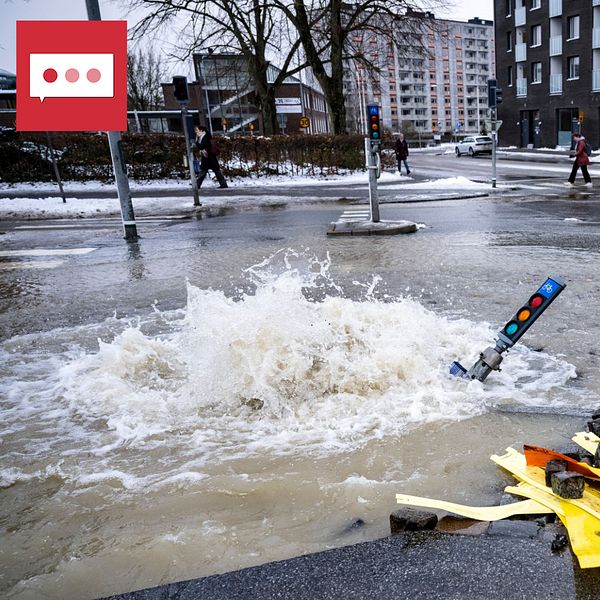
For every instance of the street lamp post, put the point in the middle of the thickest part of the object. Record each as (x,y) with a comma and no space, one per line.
(118,160)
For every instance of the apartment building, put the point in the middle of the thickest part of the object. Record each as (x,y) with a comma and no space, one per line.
(433,80)
(548,63)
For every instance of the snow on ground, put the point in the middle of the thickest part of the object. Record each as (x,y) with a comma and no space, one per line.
(54,208)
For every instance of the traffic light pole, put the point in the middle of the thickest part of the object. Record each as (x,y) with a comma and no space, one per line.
(118,160)
(190,155)
(372,155)
(494,110)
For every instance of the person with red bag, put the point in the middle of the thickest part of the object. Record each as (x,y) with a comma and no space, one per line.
(581,161)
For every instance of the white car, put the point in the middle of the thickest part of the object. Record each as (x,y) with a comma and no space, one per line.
(472,145)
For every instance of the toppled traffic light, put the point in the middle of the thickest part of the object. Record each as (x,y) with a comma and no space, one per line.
(490,359)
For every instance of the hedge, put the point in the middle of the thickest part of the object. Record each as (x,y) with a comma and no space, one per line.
(85,156)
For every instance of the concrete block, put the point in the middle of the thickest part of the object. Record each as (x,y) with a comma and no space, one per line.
(408,519)
(554,466)
(568,484)
(594,426)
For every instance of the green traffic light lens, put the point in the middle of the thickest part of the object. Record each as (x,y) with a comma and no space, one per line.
(375,134)
(511,328)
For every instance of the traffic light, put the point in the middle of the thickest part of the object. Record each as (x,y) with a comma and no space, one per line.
(529,312)
(498,95)
(492,93)
(374,124)
(181,91)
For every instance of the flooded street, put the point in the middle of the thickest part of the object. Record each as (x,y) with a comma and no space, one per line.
(240,389)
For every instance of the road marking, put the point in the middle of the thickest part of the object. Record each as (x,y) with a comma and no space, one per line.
(47,252)
(34,264)
(358,214)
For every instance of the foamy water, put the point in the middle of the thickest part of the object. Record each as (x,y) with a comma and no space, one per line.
(289,367)
(274,370)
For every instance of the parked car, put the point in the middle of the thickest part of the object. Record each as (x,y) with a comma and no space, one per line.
(472,145)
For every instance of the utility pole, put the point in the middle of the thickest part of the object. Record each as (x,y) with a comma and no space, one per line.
(494,98)
(182,95)
(118,160)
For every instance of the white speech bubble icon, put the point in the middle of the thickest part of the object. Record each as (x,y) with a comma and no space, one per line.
(71,76)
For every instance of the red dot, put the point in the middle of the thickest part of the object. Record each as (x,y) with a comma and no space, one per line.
(93,75)
(50,75)
(72,75)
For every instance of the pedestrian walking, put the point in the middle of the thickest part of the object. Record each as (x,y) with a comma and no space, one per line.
(207,151)
(581,161)
(402,154)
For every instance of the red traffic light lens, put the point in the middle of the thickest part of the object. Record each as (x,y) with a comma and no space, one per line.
(536,300)
(374,118)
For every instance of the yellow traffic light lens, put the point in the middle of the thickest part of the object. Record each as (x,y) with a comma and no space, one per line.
(523,314)
(374,127)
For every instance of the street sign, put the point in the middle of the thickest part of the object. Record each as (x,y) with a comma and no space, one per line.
(488,124)
(304,122)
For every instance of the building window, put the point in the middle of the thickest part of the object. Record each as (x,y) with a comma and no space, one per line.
(536,36)
(536,4)
(510,75)
(509,41)
(508,8)
(573,62)
(536,72)
(573,24)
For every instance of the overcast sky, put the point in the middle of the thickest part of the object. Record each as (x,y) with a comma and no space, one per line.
(14,10)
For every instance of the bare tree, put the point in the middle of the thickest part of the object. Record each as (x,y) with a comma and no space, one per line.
(145,73)
(256,29)
(331,31)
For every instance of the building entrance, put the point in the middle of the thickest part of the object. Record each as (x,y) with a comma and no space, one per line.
(564,119)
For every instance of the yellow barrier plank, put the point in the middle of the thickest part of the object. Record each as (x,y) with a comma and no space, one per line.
(582,527)
(479,513)
(514,462)
(588,441)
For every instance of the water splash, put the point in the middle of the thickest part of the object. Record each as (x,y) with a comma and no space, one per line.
(277,368)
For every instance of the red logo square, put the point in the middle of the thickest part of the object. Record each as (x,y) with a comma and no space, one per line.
(71,75)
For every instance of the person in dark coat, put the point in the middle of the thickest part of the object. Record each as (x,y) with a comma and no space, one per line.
(402,154)
(581,161)
(205,148)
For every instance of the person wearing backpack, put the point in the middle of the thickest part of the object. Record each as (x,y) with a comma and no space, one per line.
(582,150)
(208,151)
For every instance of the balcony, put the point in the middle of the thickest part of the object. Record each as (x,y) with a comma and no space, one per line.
(521,87)
(555,8)
(556,45)
(596,77)
(520,52)
(520,16)
(596,37)
(556,86)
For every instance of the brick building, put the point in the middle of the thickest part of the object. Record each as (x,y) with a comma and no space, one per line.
(225,96)
(548,64)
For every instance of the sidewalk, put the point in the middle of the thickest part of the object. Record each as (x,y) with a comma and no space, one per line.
(514,561)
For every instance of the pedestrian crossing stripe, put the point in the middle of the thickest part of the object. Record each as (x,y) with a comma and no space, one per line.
(46,252)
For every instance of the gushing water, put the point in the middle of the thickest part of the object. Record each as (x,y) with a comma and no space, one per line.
(287,368)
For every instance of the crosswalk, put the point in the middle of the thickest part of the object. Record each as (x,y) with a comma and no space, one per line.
(101,223)
(28,258)
(356,214)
